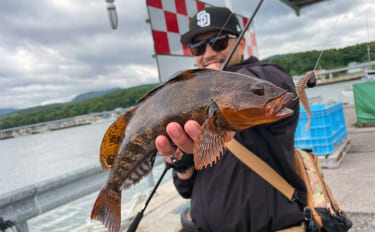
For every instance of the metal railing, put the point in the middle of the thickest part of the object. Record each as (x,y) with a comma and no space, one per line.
(361,65)
(18,206)
(365,65)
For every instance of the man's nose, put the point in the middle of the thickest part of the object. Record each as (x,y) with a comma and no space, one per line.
(209,51)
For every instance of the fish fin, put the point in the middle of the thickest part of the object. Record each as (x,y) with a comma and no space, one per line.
(141,171)
(209,144)
(178,76)
(112,140)
(107,209)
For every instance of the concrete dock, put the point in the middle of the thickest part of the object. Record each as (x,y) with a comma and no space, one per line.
(352,184)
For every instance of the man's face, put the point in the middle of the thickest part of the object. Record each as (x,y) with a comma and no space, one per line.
(214,60)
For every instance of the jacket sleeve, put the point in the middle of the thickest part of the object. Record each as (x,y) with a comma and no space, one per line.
(184,187)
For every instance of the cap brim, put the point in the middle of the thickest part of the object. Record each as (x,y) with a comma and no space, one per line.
(189,36)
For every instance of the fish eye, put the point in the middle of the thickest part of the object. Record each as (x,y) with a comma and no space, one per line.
(257,89)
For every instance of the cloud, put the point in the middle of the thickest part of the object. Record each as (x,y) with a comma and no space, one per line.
(281,31)
(53,50)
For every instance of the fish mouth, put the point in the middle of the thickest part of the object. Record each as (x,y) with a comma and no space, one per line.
(277,107)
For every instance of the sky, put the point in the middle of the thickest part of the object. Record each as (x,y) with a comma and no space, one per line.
(54,50)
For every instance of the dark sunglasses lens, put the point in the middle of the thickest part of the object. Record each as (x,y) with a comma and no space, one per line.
(198,48)
(198,51)
(219,44)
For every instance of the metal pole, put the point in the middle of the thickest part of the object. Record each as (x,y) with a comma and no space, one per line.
(113,19)
(241,35)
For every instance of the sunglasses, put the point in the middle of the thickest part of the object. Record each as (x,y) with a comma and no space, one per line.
(217,43)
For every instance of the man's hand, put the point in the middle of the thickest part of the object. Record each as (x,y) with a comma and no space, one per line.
(183,139)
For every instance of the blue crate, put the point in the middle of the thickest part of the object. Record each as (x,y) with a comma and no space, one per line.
(327,128)
(303,143)
(320,131)
(328,145)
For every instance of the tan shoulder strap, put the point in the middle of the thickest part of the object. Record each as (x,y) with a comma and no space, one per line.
(261,168)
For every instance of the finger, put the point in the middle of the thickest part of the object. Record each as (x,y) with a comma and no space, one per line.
(192,128)
(230,135)
(179,137)
(167,159)
(178,156)
(164,146)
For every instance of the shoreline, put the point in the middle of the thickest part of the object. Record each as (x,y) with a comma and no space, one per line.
(343,78)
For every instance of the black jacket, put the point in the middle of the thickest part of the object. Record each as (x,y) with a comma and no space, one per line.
(231,197)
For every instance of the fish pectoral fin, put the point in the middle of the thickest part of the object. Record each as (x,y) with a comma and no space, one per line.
(112,140)
(209,144)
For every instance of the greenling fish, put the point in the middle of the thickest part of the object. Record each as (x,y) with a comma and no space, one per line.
(220,101)
(308,80)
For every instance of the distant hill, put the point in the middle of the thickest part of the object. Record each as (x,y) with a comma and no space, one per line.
(117,98)
(6,111)
(33,109)
(79,98)
(88,95)
(302,62)
(278,56)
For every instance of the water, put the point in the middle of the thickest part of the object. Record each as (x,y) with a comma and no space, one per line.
(30,159)
(341,91)
(34,158)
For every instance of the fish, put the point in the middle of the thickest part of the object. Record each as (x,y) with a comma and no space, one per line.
(310,81)
(220,101)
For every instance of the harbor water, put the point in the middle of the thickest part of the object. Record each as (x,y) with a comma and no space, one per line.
(31,159)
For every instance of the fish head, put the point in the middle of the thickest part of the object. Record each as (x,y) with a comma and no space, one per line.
(255,102)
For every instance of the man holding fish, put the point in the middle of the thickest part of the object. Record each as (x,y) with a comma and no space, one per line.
(228,196)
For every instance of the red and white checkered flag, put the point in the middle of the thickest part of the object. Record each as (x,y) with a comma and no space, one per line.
(170,20)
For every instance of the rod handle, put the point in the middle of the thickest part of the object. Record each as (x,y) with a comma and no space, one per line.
(135,223)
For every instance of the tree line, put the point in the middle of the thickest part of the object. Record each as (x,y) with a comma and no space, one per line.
(300,63)
(120,98)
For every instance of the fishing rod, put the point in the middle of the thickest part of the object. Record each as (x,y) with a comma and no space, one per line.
(312,81)
(312,78)
(241,35)
(133,226)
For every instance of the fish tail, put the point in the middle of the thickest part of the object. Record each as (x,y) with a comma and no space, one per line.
(107,209)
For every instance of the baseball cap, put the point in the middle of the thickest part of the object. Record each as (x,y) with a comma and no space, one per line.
(212,19)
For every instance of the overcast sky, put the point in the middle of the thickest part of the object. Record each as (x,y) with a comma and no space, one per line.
(53,50)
